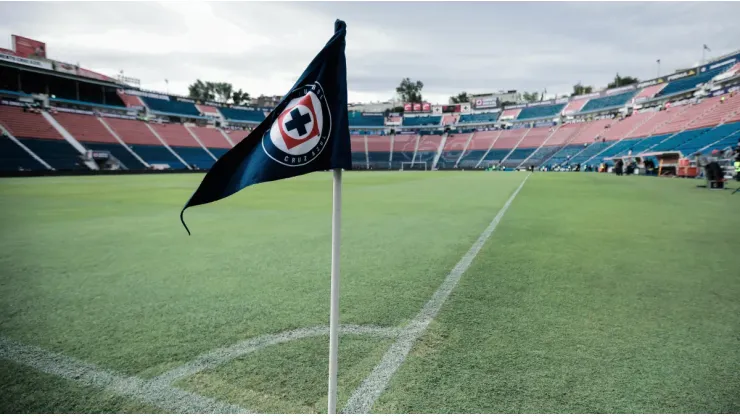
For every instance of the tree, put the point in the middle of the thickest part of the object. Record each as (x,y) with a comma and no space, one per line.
(409,91)
(240,96)
(531,97)
(460,98)
(223,91)
(580,89)
(622,81)
(202,91)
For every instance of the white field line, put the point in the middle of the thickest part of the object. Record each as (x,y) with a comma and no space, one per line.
(220,356)
(159,392)
(372,387)
(151,392)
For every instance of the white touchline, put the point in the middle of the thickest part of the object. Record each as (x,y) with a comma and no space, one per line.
(151,392)
(372,387)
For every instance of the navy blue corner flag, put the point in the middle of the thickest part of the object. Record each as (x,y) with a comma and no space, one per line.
(307,132)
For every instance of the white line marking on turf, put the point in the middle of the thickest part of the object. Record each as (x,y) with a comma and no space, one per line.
(151,392)
(372,387)
(220,356)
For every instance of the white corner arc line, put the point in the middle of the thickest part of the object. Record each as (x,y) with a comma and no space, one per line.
(219,356)
(152,392)
(372,387)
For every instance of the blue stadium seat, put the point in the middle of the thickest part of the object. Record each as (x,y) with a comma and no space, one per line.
(517,156)
(609,101)
(356,118)
(648,143)
(618,149)
(422,121)
(683,137)
(472,158)
(542,154)
(157,155)
(478,118)
(217,151)
(563,154)
(540,111)
(495,155)
(118,151)
(171,107)
(242,115)
(691,82)
(194,156)
(57,153)
(590,151)
(14,158)
(725,135)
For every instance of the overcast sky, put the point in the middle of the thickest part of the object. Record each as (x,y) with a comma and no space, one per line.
(477,47)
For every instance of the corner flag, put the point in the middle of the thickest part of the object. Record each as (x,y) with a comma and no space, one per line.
(308,131)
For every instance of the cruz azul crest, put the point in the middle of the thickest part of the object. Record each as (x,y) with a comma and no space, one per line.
(300,132)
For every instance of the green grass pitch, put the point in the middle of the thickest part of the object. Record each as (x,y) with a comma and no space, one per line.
(594,294)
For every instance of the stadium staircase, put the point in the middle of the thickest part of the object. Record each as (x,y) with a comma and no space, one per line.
(513,149)
(493,142)
(118,138)
(166,146)
(465,149)
(195,137)
(70,139)
(539,148)
(439,150)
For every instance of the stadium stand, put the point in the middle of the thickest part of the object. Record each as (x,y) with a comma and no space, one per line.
(684,118)
(206,109)
(14,158)
(691,82)
(140,139)
(235,114)
(585,136)
(404,146)
(449,120)
(41,138)
(428,147)
(91,133)
(673,142)
(356,118)
(478,147)
(540,111)
(531,142)
(504,144)
(720,113)
(168,107)
(184,145)
(609,101)
(562,135)
(212,139)
(657,120)
(649,92)
(130,100)
(454,148)
(510,114)
(722,137)
(379,151)
(478,118)
(575,106)
(620,129)
(422,121)
(357,146)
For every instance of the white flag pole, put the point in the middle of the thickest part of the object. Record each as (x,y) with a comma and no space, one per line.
(336,221)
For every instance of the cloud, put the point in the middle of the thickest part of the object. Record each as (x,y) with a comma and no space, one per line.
(478,47)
